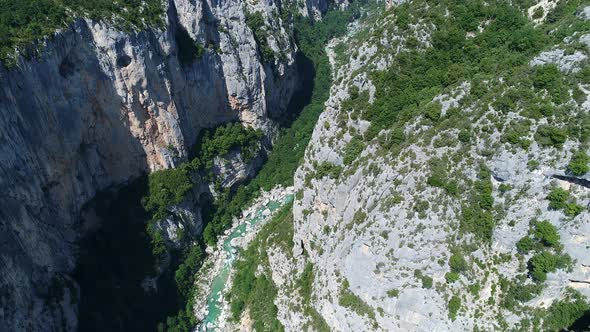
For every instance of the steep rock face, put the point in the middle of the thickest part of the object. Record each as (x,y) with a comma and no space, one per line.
(100,107)
(380,232)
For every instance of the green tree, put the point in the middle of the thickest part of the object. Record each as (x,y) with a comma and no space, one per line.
(558,198)
(454,306)
(547,233)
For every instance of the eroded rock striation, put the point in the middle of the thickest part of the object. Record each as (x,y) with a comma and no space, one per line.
(101,106)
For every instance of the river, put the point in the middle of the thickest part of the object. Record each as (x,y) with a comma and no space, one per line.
(252,221)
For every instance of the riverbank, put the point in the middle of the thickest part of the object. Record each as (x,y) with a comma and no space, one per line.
(214,278)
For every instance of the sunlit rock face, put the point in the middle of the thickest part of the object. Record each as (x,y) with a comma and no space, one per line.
(100,107)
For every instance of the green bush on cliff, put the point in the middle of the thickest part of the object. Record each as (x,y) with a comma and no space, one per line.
(223,139)
(477,215)
(579,164)
(563,313)
(351,301)
(186,270)
(166,188)
(559,199)
(454,306)
(353,150)
(255,22)
(545,262)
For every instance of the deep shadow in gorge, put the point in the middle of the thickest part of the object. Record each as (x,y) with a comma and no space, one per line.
(113,263)
(582,324)
(115,259)
(302,96)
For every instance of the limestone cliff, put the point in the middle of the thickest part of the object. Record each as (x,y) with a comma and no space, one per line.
(421,224)
(101,106)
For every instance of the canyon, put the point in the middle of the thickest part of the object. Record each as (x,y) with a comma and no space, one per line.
(300,166)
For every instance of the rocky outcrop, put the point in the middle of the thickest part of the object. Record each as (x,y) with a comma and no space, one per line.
(99,107)
(376,227)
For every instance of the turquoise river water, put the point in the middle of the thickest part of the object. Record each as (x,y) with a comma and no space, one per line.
(214,303)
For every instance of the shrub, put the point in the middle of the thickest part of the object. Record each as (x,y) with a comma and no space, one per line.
(551,136)
(558,198)
(451,277)
(166,188)
(454,306)
(188,49)
(353,150)
(539,12)
(526,244)
(426,282)
(545,262)
(504,188)
(464,136)
(393,292)
(457,263)
(359,217)
(328,169)
(547,233)
(515,293)
(433,111)
(579,164)
(349,300)
(255,21)
(532,165)
(477,216)
(184,274)
(573,209)
(546,77)
(562,314)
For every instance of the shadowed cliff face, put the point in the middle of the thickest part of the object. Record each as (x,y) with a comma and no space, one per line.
(101,107)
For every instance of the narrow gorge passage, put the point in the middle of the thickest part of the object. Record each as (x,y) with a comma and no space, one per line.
(228,250)
(123,287)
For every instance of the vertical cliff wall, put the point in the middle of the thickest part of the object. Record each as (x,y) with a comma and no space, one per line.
(414,208)
(99,107)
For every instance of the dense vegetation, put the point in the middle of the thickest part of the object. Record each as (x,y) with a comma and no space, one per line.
(24,21)
(256,291)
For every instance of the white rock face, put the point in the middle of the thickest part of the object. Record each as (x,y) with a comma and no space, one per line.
(100,107)
(380,251)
